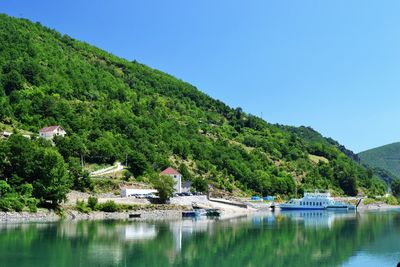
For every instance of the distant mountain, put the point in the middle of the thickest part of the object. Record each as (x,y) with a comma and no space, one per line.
(385,160)
(118,110)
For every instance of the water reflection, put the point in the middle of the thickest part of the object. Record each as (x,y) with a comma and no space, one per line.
(315,238)
(140,231)
(318,218)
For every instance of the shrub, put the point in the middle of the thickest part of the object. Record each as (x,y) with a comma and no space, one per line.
(5,204)
(108,206)
(200,185)
(82,207)
(391,200)
(127,175)
(92,202)
(17,205)
(395,186)
(4,188)
(31,203)
(11,202)
(367,201)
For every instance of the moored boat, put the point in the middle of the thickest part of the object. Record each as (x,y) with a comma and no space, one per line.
(315,201)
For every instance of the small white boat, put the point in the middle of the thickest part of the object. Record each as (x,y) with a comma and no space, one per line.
(315,201)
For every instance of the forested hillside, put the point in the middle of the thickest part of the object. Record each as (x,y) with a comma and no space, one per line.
(113,109)
(385,159)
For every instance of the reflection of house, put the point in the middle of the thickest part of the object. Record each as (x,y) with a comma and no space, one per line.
(186,228)
(177,177)
(51,131)
(139,232)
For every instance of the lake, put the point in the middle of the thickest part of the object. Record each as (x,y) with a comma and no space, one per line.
(314,238)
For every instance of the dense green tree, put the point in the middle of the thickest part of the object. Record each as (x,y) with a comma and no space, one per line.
(54,182)
(81,179)
(395,186)
(164,184)
(200,185)
(12,81)
(137,163)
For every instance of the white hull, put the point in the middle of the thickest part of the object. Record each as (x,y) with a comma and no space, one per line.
(297,207)
(315,201)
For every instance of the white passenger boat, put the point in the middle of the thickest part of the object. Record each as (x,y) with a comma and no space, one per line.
(315,201)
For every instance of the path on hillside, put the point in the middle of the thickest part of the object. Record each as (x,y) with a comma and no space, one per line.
(109,170)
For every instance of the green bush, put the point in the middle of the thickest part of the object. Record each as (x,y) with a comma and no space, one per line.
(17,205)
(367,201)
(108,206)
(200,185)
(82,207)
(5,204)
(127,175)
(395,185)
(391,200)
(31,203)
(4,188)
(12,202)
(92,202)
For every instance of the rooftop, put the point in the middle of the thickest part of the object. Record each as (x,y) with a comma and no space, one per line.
(170,171)
(50,128)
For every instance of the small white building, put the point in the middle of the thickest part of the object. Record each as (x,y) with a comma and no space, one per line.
(5,134)
(177,177)
(51,131)
(127,192)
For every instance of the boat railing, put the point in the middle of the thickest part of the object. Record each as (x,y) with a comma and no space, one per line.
(317,195)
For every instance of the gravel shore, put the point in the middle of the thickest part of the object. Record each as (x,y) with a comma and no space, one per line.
(70,215)
(44,215)
(40,216)
(376,207)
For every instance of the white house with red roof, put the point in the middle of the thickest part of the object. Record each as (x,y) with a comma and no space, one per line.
(177,177)
(51,131)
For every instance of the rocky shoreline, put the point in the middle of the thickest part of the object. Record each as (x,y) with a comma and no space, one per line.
(380,206)
(144,215)
(43,215)
(73,215)
(40,216)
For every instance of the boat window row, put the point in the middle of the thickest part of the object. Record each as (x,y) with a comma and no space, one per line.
(306,203)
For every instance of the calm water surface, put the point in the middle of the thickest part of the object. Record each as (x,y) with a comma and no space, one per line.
(314,238)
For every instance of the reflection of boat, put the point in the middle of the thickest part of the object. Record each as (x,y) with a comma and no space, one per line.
(213,213)
(315,201)
(340,206)
(318,218)
(194,213)
(197,212)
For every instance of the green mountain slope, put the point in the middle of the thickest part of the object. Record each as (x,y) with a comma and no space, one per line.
(385,158)
(114,109)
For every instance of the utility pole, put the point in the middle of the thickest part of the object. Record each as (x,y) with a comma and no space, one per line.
(82,163)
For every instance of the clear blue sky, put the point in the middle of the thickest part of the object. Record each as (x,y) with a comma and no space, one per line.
(331,65)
